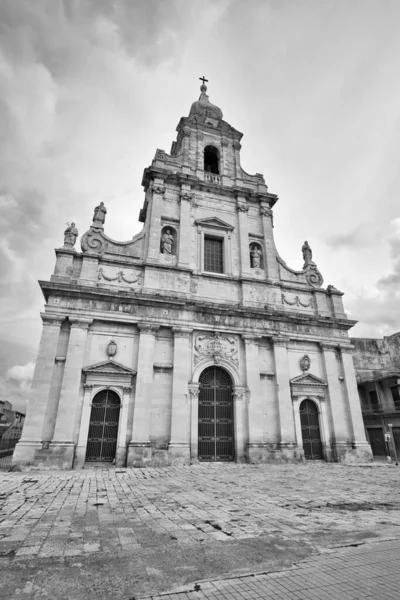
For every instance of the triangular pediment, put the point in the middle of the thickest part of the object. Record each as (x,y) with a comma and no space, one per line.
(307,379)
(109,366)
(214,223)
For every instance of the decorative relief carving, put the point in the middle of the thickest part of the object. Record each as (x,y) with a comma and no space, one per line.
(237,145)
(111,349)
(93,241)
(305,363)
(187,196)
(297,302)
(265,211)
(194,393)
(217,346)
(160,154)
(313,276)
(242,208)
(127,390)
(199,135)
(224,142)
(120,276)
(158,189)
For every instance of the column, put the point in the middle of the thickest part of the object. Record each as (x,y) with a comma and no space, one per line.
(341,435)
(285,405)
(185,243)
(84,427)
(179,450)
(271,266)
(360,444)
(242,210)
(158,191)
(325,430)
(120,457)
(255,400)
(194,421)
(139,451)
(63,445)
(239,398)
(31,437)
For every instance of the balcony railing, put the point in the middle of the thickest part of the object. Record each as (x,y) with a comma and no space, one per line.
(211,178)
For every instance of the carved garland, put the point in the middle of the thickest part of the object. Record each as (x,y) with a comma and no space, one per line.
(120,276)
(297,302)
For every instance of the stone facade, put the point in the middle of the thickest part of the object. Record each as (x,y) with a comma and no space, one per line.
(377,364)
(202,286)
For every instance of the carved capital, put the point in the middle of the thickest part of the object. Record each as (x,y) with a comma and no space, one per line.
(182,332)
(280,341)
(88,387)
(348,349)
(80,322)
(328,346)
(265,211)
(186,196)
(242,208)
(224,142)
(51,320)
(194,391)
(237,145)
(126,390)
(251,339)
(158,189)
(200,135)
(239,393)
(186,132)
(149,328)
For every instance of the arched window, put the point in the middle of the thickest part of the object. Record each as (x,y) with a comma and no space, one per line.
(256,256)
(211,160)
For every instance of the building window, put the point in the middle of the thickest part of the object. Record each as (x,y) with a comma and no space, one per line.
(373,398)
(211,160)
(213,254)
(396,396)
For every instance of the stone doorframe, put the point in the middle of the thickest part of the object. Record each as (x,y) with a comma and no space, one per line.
(311,387)
(239,394)
(105,376)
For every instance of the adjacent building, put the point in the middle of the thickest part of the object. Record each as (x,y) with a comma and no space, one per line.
(194,340)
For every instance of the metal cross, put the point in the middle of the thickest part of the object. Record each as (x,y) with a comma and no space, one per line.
(203,79)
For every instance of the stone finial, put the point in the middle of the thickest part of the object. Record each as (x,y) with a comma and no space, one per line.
(70,235)
(99,215)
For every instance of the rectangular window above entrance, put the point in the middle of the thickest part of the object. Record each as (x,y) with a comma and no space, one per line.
(213,254)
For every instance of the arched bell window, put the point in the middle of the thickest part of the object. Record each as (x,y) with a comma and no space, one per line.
(211,160)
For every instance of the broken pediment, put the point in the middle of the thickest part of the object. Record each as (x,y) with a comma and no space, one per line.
(214,223)
(307,379)
(109,367)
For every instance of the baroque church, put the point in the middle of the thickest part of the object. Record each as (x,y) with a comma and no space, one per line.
(194,340)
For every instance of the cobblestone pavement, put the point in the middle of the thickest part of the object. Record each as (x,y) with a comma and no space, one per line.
(78,534)
(365,573)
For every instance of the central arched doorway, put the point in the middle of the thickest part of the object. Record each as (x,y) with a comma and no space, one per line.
(103,428)
(310,430)
(216,427)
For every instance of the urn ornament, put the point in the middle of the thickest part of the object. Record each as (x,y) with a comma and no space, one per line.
(112,349)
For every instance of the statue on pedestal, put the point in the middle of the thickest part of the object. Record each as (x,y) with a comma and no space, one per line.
(99,215)
(167,241)
(307,253)
(70,235)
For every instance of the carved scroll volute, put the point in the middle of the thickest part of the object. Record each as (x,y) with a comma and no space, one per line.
(93,241)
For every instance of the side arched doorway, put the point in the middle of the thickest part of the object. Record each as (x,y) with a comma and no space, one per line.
(103,427)
(310,430)
(216,427)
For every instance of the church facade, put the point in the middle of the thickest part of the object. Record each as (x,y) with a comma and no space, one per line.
(194,341)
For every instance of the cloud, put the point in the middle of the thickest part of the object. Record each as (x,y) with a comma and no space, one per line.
(21,373)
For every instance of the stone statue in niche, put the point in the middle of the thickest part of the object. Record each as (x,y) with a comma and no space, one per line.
(99,215)
(70,235)
(255,257)
(307,253)
(167,242)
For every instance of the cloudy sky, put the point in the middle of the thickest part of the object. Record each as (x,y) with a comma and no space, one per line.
(90,89)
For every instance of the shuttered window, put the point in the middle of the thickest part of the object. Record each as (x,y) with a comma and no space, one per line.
(213,255)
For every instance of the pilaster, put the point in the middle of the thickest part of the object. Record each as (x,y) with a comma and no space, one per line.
(30,440)
(80,452)
(242,210)
(362,449)
(62,448)
(285,406)
(239,405)
(122,443)
(255,400)
(270,250)
(157,191)
(179,449)
(139,451)
(194,421)
(184,253)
